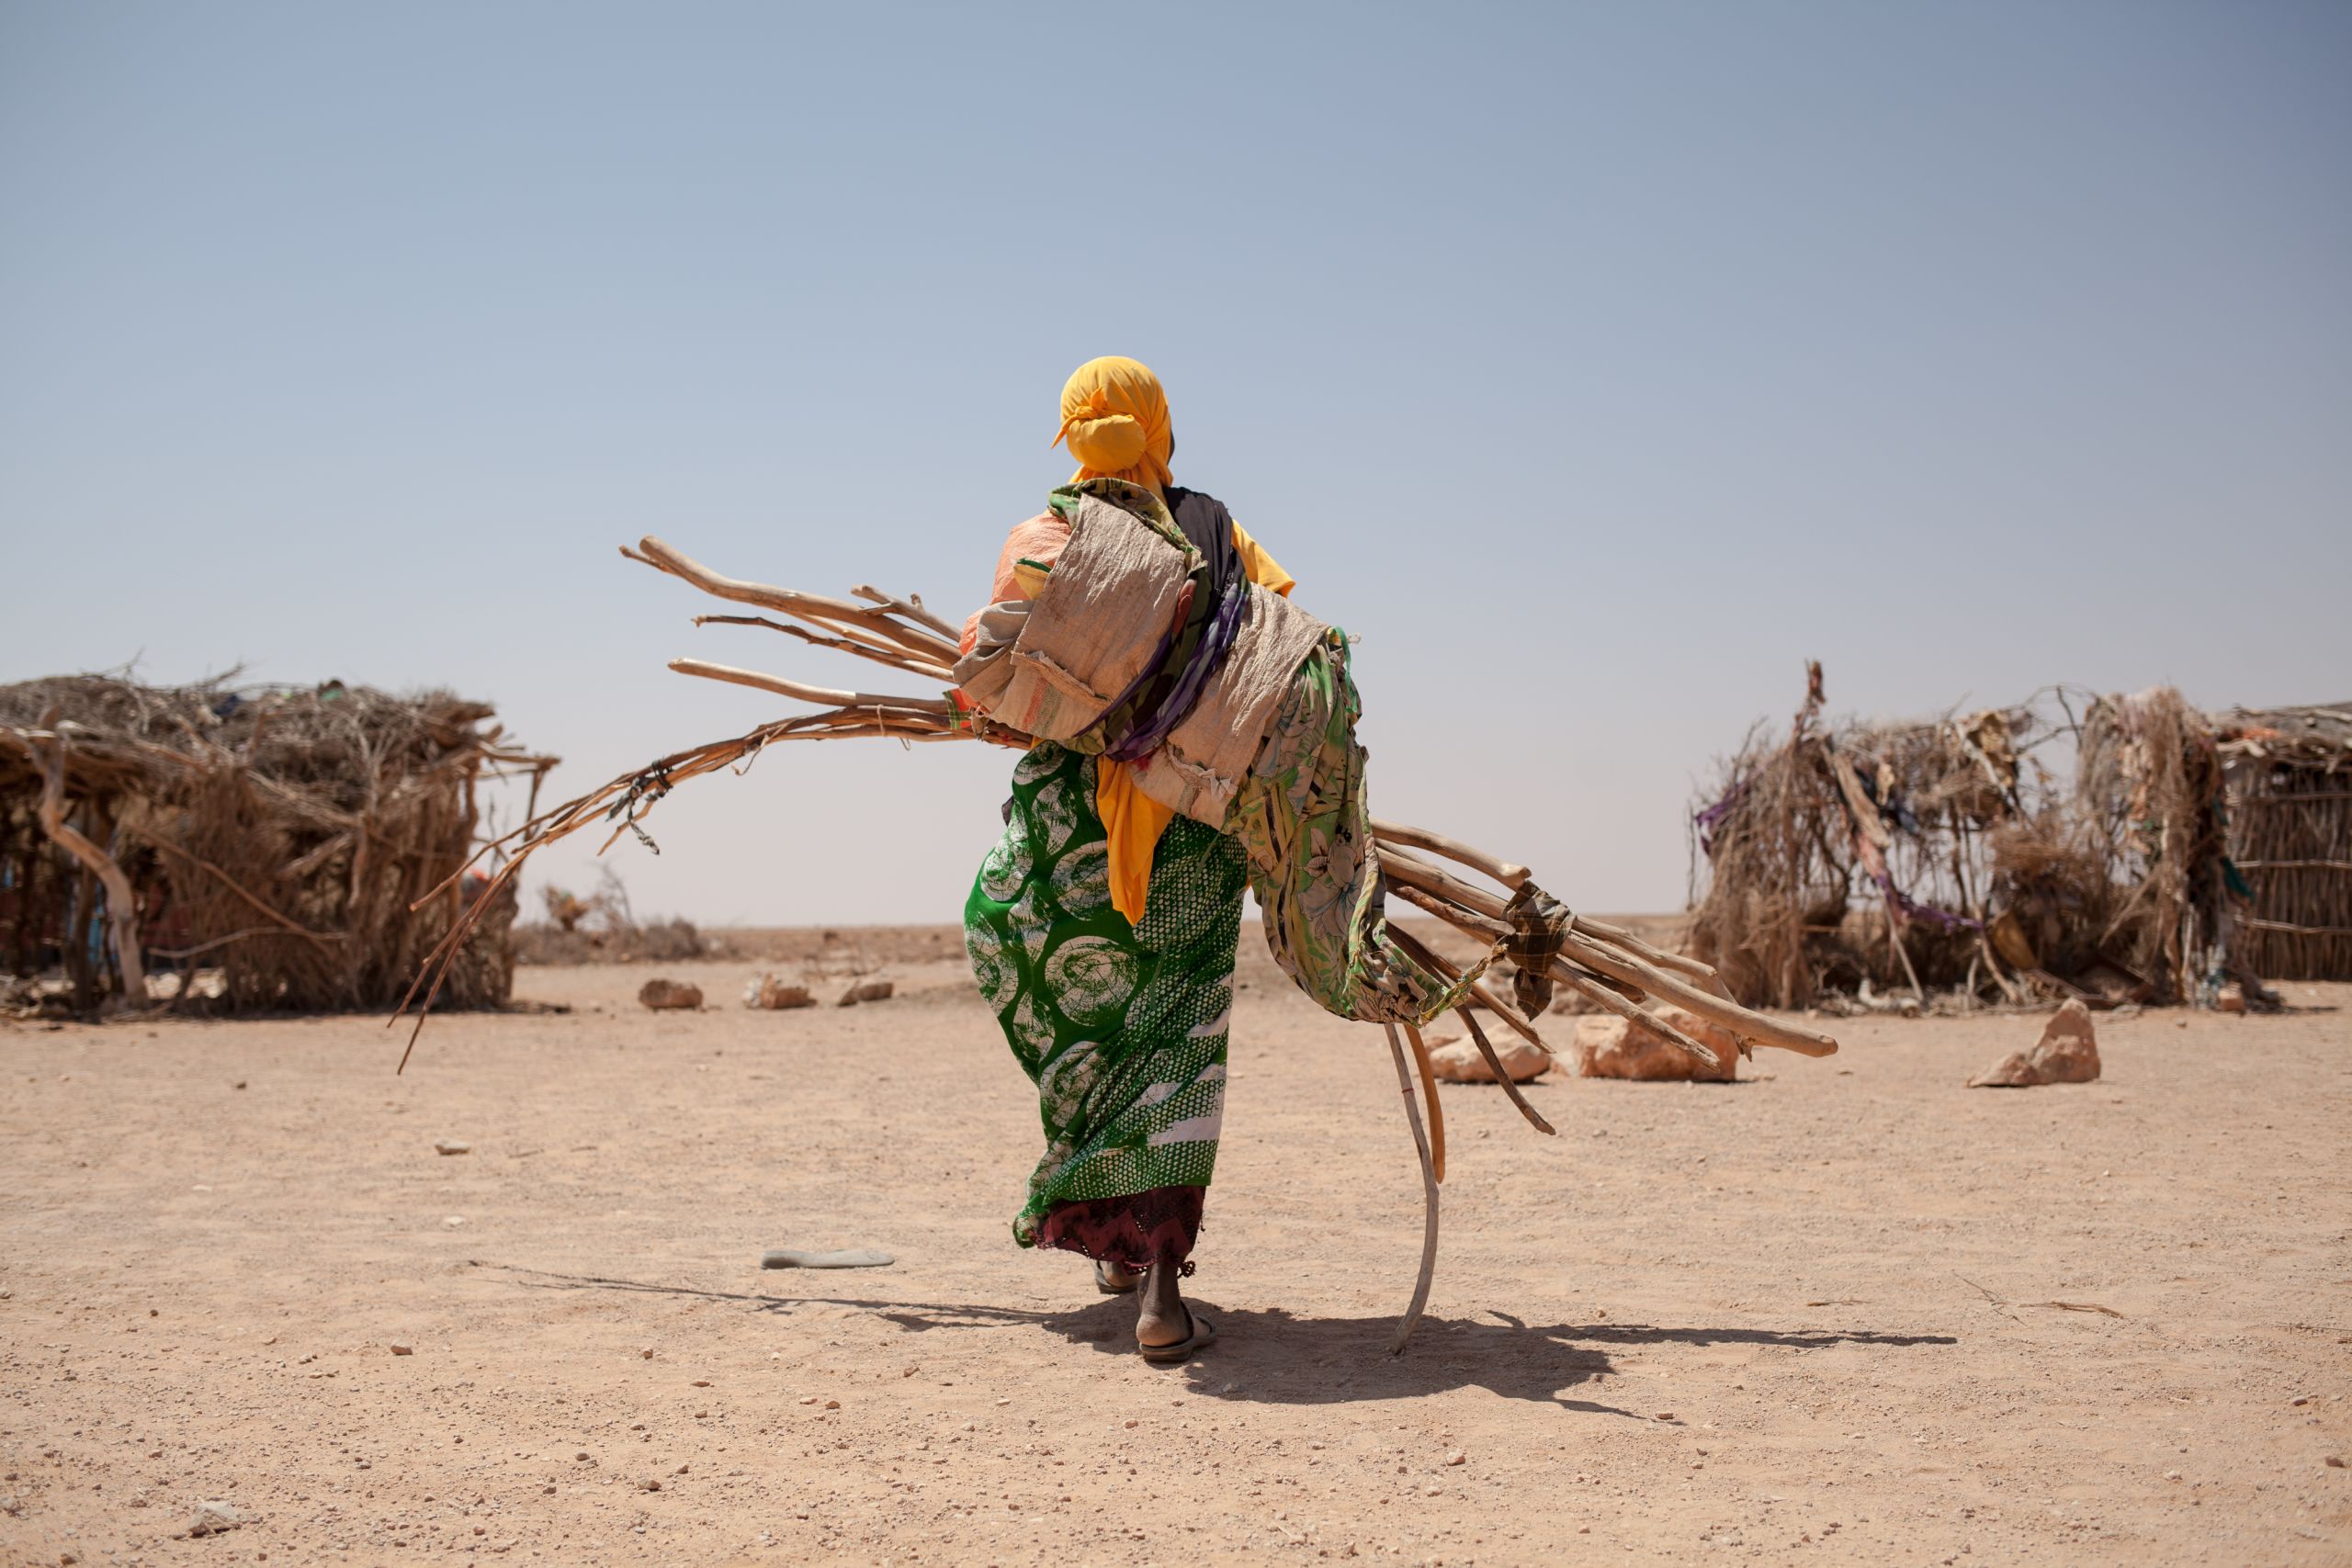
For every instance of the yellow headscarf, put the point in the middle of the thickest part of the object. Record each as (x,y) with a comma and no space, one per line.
(1114,416)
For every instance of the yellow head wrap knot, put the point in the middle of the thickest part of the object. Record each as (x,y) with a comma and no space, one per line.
(1114,416)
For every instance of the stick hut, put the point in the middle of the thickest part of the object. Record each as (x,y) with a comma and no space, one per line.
(1838,859)
(304,844)
(2289,791)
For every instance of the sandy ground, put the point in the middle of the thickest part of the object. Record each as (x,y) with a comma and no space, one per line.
(1813,1317)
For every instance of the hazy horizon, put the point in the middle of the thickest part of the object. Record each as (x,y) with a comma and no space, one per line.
(1595,366)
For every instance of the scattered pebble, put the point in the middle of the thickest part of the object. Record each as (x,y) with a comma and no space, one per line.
(1458,1457)
(452,1146)
(2335,1462)
(454,1221)
(1665,1415)
(702,1383)
(212,1518)
(403,1350)
(832,1404)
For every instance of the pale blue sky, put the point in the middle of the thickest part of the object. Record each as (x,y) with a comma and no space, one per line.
(1964,347)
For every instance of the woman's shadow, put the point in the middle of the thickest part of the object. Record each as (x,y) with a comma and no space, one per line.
(1273,1356)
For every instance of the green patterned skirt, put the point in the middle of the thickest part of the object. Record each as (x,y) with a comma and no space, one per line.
(1121,1028)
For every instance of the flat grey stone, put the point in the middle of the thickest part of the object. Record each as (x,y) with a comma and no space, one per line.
(847,1258)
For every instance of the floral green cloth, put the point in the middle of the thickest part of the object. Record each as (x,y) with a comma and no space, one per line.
(1121,1028)
(1313,866)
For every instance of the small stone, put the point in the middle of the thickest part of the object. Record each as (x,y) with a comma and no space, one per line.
(2172,1476)
(2066,1053)
(1461,1061)
(865,991)
(452,1146)
(909,1372)
(651,1483)
(1127,1422)
(702,1383)
(454,1221)
(582,1454)
(2335,1462)
(213,1518)
(1665,1416)
(403,1350)
(1458,1457)
(1607,1047)
(2302,1399)
(832,1404)
(772,995)
(670,996)
(647,1353)
(241,1083)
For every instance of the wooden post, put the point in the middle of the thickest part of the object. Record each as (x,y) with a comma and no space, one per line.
(123,905)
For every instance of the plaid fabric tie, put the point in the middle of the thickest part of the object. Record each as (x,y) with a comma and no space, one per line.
(1538,929)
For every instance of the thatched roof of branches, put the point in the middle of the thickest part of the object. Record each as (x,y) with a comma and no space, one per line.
(306,842)
(2310,737)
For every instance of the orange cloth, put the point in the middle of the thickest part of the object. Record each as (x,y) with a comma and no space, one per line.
(1133,819)
(1029,550)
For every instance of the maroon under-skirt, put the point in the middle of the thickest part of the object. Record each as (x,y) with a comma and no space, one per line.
(1134,1231)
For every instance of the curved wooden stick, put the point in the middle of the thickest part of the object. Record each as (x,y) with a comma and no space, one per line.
(785,688)
(1534,1116)
(1431,904)
(1428,956)
(1428,1200)
(1428,1097)
(910,608)
(1753,1026)
(813,606)
(1504,872)
(1618,936)
(1416,873)
(864,648)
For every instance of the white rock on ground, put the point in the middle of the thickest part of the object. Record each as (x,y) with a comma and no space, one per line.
(211,1519)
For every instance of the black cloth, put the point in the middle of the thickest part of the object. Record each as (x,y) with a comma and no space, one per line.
(1209,526)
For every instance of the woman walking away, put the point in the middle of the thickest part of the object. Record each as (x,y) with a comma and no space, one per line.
(1103,926)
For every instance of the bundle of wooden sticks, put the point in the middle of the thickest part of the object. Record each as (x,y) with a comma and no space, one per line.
(1605,963)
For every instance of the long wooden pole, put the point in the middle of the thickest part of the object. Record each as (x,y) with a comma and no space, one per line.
(1428,1200)
(122,902)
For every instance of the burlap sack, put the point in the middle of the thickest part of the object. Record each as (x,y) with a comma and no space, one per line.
(1197,769)
(1096,628)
